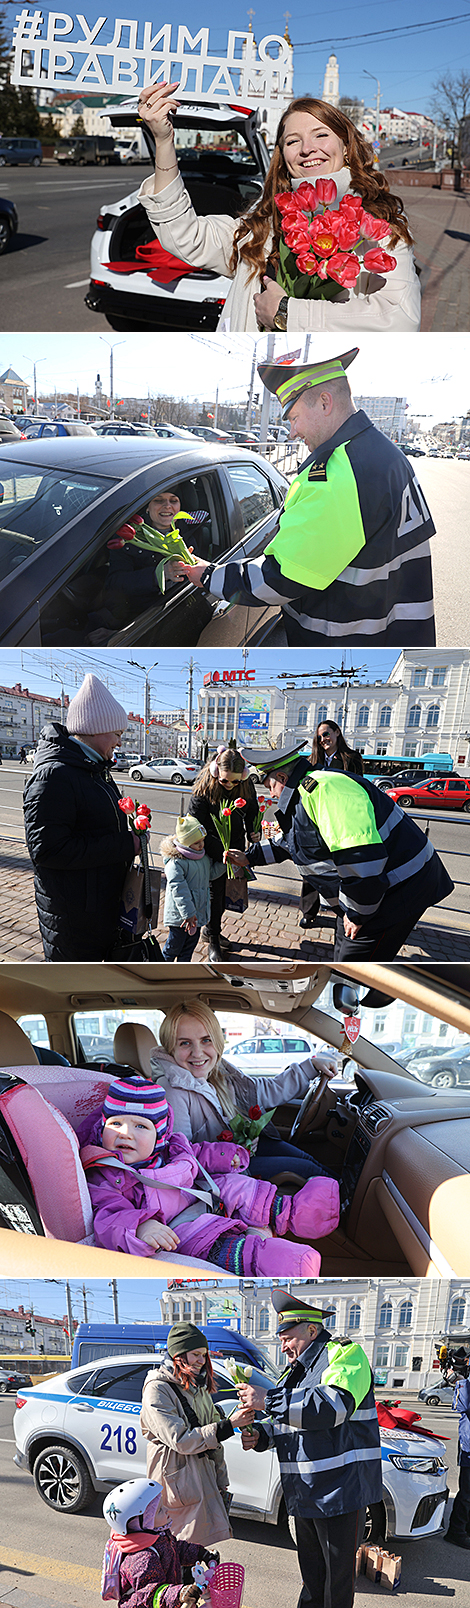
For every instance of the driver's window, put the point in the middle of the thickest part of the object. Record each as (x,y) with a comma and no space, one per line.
(254,493)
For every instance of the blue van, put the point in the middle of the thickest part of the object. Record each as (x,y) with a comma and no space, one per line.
(94,1340)
(15,150)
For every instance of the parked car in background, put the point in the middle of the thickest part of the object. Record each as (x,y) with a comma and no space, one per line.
(223,161)
(165,431)
(246,438)
(441,793)
(51,428)
(438,1395)
(8,223)
(79,1433)
(405,778)
(16,151)
(9,432)
(121,427)
(443,1068)
(207,433)
(64,500)
(270,1054)
(164,770)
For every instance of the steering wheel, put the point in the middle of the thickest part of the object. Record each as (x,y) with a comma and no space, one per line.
(310,1104)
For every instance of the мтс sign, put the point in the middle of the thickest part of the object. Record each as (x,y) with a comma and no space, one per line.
(56,51)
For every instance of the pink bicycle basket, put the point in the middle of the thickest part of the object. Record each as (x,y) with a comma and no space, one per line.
(226,1586)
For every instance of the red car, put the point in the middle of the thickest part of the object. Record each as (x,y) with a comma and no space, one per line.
(443,792)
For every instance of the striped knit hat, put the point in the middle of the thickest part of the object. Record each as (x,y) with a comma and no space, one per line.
(139,1098)
(289,382)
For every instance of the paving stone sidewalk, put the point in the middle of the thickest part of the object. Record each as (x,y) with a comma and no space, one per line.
(440,224)
(269,929)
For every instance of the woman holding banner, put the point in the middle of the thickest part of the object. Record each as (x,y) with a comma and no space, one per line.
(281,250)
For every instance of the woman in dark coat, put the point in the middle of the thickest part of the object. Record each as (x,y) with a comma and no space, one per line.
(329,752)
(78,838)
(224,779)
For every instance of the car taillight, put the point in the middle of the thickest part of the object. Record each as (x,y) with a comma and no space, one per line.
(21,1401)
(97,281)
(23,435)
(100,223)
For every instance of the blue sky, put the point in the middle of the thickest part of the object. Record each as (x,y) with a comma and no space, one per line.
(138,1299)
(430,370)
(32,668)
(406,45)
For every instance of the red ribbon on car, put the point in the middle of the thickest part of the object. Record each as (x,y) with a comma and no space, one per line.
(389,1418)
(151,259)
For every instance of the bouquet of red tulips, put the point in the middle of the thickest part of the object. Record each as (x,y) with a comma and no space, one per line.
(319,247)
(138,815)
(223,825)
(164,547)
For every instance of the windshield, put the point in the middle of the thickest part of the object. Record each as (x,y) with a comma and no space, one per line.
(429,1050)
(34,504)
(225,148)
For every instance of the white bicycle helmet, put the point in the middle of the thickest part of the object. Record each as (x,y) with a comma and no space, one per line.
(129,1501)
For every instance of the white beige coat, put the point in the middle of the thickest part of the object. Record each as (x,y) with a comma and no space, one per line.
(192,1485)
(386,302)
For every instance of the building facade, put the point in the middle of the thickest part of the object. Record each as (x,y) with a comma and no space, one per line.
(398,1322)
(388,413)
(16,1338)
(13,393)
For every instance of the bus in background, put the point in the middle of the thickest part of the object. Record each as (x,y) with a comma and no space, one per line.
(95,1340)
(404,767)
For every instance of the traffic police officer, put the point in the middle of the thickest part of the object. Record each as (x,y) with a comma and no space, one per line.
(356,846)
(350,561)
(459,1527)
(322,1420)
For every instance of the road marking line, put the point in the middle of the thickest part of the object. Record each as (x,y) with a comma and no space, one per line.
(76,284)
(52,1568)
(8,1439)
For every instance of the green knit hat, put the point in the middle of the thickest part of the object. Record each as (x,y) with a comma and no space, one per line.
(185,1337)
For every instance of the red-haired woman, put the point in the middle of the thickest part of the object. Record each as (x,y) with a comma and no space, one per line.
(329,752)
(185,1434)
(314,141)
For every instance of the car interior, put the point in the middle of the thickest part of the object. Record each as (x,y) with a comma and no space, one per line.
(401,1148)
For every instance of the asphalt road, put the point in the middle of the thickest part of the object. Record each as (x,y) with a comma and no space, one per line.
(47,1558)
(449,832)
(45,274)
(446,486)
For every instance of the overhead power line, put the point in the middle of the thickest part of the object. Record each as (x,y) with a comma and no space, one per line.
(385,33)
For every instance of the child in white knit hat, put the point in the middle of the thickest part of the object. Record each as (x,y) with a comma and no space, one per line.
(189,873)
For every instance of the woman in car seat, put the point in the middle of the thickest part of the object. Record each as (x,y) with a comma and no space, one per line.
(142,1181)
(133,579)
(185,1433)
(206,1091)
(222,780)
(314,142)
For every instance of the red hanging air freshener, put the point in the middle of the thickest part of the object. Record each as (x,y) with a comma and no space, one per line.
(352,1028)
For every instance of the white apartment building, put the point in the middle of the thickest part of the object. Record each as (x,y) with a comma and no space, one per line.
(15,1338)
(388,413)
(23,715)
(397,1321)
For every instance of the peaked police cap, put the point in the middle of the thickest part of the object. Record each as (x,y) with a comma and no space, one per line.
(288,382)
(291,1311)
(267,760)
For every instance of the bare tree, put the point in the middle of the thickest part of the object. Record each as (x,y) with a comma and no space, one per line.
(451,103)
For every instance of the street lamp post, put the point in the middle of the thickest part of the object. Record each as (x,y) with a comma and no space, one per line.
(111,371)
(377,103)
(31,360)
(147,674)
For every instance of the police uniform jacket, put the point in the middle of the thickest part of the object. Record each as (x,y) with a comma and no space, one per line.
(322,1420)
(349,828)
(351,558)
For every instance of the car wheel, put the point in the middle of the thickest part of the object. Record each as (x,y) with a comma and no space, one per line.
(375,1523)
(445,1079)
(2,161)
(433,1401)
(136,776)
(62,1479)
(466,807)
(36,161)
(406,801)
(177,779)
(3,1388)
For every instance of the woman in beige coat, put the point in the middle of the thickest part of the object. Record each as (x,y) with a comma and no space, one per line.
(185,1434)
(313,141)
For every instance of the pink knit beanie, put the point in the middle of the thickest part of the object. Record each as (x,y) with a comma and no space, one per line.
(93,709)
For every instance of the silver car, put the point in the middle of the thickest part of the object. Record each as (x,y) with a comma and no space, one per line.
(438,1395)
(164,770)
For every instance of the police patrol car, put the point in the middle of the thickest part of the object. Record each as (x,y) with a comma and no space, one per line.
(79,1432)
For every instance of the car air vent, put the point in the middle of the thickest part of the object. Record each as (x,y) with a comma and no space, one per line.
(376,1118)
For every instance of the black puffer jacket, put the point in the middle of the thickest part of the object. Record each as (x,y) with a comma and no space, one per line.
(80,846)
(242,820)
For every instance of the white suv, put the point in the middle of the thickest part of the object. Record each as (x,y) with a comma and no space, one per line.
(79,1432)
(223,161)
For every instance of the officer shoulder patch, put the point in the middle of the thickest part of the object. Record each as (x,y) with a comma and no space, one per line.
(309,785)
(317,471)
